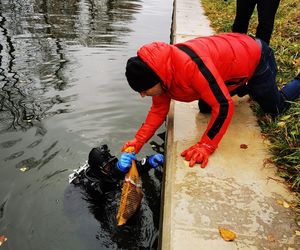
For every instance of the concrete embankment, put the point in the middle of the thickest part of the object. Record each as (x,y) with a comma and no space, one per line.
(237,190)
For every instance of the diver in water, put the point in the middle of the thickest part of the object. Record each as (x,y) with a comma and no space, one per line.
(97,191)
(103,172)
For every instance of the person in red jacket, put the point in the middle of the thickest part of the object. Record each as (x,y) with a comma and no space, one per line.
(209,69)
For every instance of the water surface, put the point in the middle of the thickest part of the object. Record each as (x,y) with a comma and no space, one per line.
(62,92)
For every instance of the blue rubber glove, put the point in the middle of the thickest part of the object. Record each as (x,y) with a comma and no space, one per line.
(155,160)
(125,162)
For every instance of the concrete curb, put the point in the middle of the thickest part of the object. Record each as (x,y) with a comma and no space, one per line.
(236,190)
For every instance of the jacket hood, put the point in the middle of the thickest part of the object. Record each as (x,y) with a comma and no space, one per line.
(157,55)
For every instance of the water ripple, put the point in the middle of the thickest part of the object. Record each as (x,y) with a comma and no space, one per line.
(62,90)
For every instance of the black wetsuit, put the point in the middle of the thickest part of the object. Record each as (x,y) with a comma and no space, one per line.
(84,199)
(98,182)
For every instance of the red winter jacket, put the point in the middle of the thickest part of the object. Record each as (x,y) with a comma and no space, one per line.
(229,58)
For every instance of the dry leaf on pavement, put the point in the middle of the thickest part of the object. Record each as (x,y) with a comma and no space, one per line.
(270,238)
(285,204)
(2,239)
(244,146)
(226,234)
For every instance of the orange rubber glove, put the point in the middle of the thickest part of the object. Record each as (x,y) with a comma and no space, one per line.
(133,143)
(198,153)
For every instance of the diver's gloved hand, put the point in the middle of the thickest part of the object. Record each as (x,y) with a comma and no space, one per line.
(125,162)
(133,143)
(155,160)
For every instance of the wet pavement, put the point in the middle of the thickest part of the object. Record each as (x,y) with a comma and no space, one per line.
(236,190)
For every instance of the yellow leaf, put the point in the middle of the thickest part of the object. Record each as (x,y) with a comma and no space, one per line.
(281,124)
(280,202)
(270,238)
(2,239)
(297,62)
(226,234)
(24,169)
(297,232)
(284,118)
(285,204)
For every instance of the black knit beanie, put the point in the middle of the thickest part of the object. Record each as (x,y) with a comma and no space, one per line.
(139,75)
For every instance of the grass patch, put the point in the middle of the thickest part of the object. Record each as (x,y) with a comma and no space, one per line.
(284,132)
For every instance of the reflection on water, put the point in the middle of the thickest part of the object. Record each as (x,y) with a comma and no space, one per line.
(34,37)
(63,91)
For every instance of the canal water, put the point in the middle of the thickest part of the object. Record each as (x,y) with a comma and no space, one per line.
(62,92)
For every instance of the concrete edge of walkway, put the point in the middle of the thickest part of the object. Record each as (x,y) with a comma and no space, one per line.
(236,190)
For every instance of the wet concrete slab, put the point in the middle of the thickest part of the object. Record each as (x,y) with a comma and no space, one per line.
(237,190)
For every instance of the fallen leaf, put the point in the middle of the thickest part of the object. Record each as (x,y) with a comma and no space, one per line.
(286,117)
(270,238)
(24,169)
(226,234)
(244,146)
(267,162)
(297,233)
(296,62)
(285,204)
(2,239)
(281,124)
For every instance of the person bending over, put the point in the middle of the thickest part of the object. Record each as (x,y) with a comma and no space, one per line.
(209,69)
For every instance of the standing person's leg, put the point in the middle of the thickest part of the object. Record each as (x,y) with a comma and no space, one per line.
(266,14)
(244,10)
